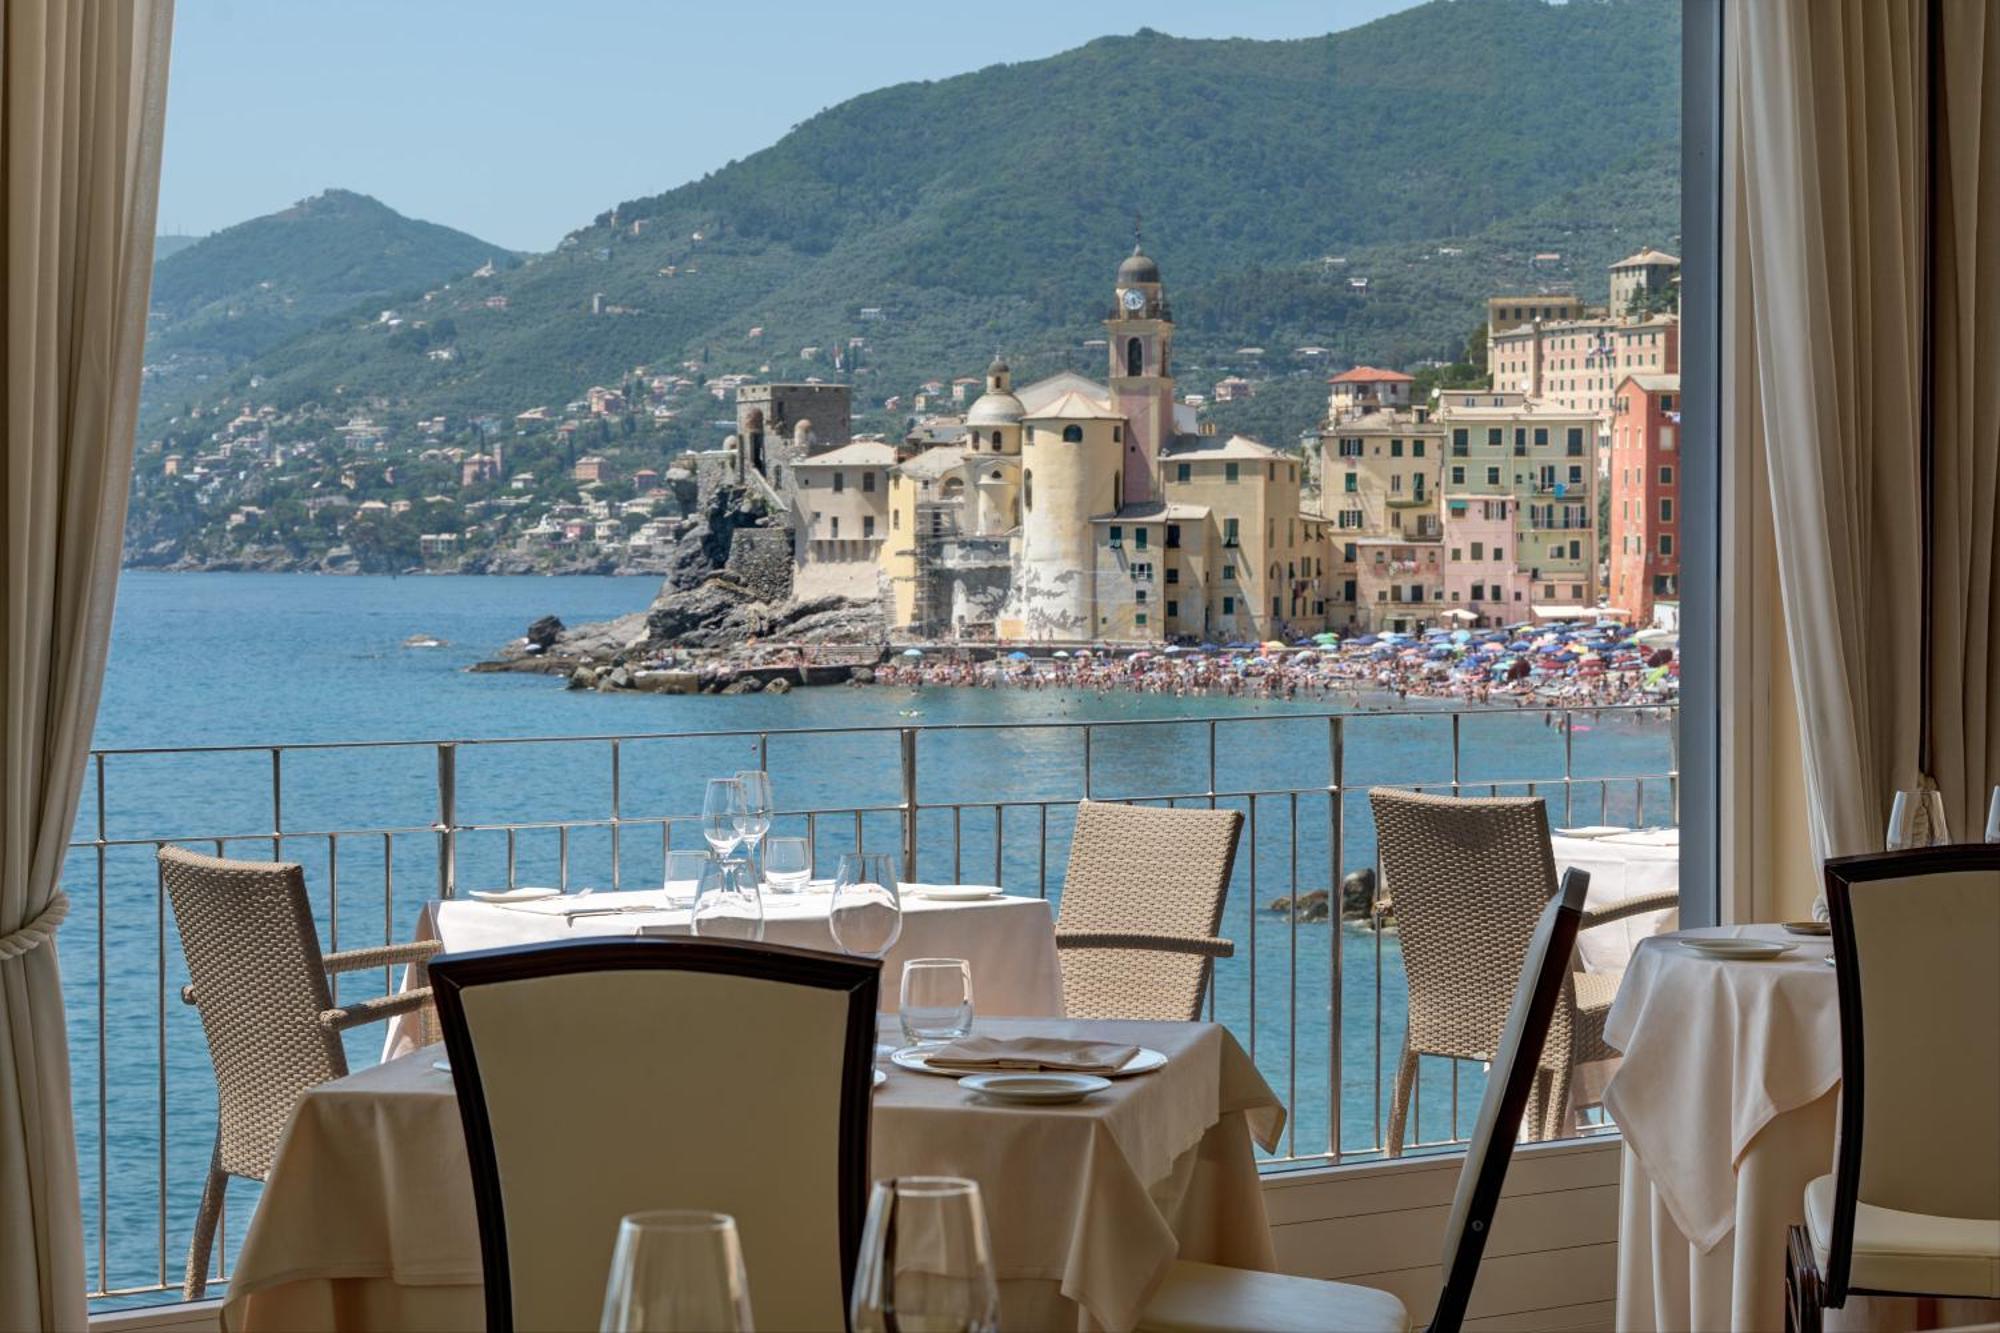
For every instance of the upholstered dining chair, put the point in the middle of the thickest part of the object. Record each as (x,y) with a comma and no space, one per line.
(614,1076)
(1912,1206)
(1141,904)
(1206,1298)
(1466,879)
(260,983)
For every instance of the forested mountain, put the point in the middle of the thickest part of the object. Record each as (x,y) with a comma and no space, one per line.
(222,300)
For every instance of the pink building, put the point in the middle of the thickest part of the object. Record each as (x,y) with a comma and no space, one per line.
(1398,585)
(1481,577)
(1367,389)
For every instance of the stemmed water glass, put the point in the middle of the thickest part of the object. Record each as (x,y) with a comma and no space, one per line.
(722,806)
(727,906)
(755,822)
(866,915)
(1916,819)
(926,1265)
(673,1271)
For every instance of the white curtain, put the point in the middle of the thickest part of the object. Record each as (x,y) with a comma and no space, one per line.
(82,91)
(1831,103)
(1965,670)
(1830,118)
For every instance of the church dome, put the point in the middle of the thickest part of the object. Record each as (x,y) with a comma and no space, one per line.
(996,408)
(1138,267)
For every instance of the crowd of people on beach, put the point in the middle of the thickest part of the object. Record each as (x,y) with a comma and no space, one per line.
(1527,665)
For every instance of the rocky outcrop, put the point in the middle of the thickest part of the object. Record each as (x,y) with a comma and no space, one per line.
(1357,902)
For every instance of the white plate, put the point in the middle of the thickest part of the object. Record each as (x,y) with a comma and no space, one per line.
(916,1059)
(442,1066)
(957,893)
(881,1077)
(1047,1088)
(1726,947)
(523,895)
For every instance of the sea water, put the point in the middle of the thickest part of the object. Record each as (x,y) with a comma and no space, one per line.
(256,660)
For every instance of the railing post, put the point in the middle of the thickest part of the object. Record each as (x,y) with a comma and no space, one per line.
(908,738)
(447,825)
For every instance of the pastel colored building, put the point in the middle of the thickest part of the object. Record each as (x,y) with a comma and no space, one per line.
(1646,495)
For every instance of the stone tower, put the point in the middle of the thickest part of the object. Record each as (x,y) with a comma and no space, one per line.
(1141,335)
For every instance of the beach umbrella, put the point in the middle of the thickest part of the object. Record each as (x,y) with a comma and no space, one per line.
(1062,652)
(913,652)
(1017,656)
(1326,636)
(1461,636)
(1171,649)
(1520,646)
(1210,648)
(1272,645)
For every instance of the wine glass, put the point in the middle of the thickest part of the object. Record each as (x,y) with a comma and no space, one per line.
(756,819)
(936,1001)
(866,915)
(787,864)
(1916,819)
(925,1265)
(683,880)
(727,905)
(1993,817)
(721,806)
(676,1270)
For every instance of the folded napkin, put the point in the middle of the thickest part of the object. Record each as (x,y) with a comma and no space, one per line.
(974,1054)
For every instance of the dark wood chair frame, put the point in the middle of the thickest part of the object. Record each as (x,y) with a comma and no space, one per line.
(1808,1291)
(452,974)
(1521,1075)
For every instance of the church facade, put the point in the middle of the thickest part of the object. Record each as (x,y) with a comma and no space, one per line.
(1076,511)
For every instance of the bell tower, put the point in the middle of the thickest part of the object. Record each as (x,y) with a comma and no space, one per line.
(1140,331)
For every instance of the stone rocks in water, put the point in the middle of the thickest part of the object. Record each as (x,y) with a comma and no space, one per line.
(863,675)
(1311,906)
(544,632)
(1357,897)
(778,685)
(618,678)
(743,685)
(583,678)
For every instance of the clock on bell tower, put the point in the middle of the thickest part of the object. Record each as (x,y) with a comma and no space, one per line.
(1140,333)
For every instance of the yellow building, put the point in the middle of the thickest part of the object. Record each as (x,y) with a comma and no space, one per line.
(1267,578)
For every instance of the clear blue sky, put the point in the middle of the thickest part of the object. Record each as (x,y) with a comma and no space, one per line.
(518,120)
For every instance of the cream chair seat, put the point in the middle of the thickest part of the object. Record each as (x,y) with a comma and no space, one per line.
(1205,1298)
(1898,1251)
(1202,1298)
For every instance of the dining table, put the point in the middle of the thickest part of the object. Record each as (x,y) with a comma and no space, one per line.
(1008,939)
(367,1218)
(1727,1097)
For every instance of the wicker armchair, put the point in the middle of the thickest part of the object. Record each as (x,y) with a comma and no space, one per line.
(1467,880)
(259,981)
(1141,904)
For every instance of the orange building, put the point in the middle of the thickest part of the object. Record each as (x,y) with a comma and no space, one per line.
(1645,494)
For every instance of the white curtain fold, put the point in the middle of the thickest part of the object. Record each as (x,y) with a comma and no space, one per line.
(1965,668)
(1830,119)
(1832,100)
(82,96)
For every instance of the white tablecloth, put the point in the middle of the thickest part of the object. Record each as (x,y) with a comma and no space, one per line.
(367,1221)
(1624,864)
(1724,1097)
(1010,941)
(1728,1096)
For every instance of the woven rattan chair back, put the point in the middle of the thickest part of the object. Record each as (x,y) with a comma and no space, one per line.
(255,967)
(1468,880)
(1141,903)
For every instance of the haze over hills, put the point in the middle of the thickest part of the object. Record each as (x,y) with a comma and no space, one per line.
(987,210)
(220,301)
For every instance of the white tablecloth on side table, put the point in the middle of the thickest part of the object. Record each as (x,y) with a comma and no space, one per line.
(1623,865)
(367,1221)
(1010,941)
(1728,1098)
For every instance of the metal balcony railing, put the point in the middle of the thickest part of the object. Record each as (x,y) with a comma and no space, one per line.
(384,825)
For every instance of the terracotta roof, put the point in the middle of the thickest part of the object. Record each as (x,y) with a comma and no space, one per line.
(1368,375)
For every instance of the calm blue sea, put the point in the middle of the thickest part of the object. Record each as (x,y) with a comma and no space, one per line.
(246,659)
